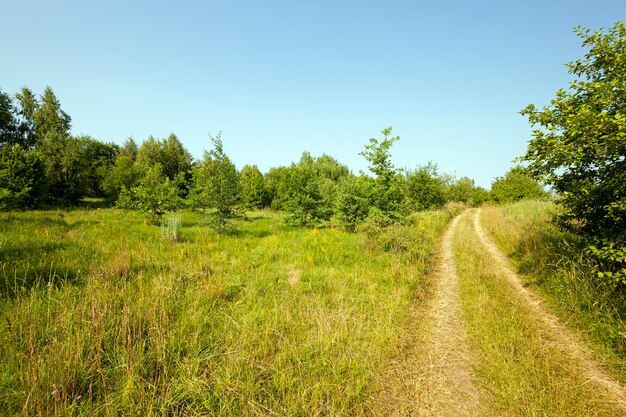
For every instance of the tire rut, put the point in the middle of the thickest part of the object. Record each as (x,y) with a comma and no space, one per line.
(432,377)
(448,358)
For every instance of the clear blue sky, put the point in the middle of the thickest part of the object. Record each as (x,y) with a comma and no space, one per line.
(281,77)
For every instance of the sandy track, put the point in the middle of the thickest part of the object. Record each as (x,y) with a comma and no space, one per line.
(573,349)
(450,388)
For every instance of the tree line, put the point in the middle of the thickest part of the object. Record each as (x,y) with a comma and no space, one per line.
(42,164)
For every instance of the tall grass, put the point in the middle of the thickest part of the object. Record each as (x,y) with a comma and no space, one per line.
(101,316)
(171,228)
(554,263)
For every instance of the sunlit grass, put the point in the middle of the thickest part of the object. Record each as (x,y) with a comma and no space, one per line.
(520,365)
(553,262)
(102,316)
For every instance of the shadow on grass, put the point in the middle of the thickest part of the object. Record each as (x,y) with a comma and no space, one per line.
(94,203)
(16,279)
(555,261)
(48,221)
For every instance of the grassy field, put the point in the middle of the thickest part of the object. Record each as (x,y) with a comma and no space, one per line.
(553,264)
(102,316)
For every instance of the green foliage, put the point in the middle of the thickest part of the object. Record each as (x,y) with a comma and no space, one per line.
(123,173)
(353,202)
(50,120)
(99,158)
(326,167)
(516,185)
(253,192)
(425,188)
(480,196)
(388,186)
(278,186)
(21,178)
(375,221)
(312,189)
(9,128)
(580,145)
(306,206)
(217,185)
(172,156)
(154,195)
(65,167)
(461,190)
(175,159)
(170,153)
(28,106)
(378,154)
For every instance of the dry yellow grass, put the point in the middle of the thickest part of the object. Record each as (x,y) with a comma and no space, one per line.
(523,364)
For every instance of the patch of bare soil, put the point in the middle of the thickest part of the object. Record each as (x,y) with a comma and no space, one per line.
(293,276)
(431,376)
(609,389)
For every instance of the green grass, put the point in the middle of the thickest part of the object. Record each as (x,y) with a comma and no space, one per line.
(518,363)
(102,316)
(553,263)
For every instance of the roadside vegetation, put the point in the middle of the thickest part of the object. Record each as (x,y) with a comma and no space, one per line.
(554,263)
(522,363)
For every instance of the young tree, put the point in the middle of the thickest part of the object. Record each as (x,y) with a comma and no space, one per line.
(65,168)
(51,122)
(173,157)
(312,189)
(217,185)
(388,185)
(461,190)
(123,173)
(177,159)
(354,199)
(99,159)
(306,203)
(278,186)
(579,146)
(155,195)
(378,154)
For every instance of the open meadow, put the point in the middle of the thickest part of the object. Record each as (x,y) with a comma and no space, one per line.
(102,315)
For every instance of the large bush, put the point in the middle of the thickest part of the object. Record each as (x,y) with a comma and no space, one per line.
(516,185)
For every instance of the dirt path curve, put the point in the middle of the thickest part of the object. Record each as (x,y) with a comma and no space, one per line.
(573,349)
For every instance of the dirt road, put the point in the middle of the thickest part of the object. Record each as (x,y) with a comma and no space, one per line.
(483,344)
